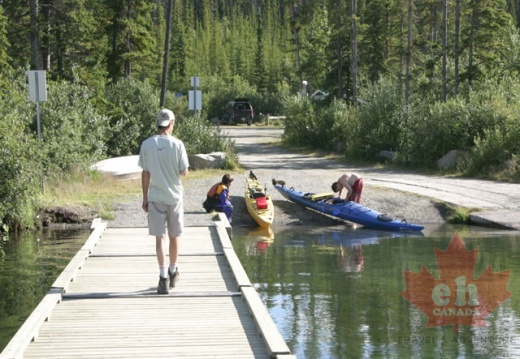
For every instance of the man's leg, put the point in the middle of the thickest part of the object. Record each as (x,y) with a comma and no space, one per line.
(173,272)
(160,246)
(357,188)
(175,221)
(174,249)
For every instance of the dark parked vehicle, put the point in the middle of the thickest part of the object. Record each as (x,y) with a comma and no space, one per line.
(238,111)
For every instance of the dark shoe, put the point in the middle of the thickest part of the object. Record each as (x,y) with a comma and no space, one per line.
(174,277)
(162,288)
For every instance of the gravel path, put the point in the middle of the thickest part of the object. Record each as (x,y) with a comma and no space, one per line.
(305,173)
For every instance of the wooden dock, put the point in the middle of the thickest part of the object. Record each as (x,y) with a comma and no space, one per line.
(104,303)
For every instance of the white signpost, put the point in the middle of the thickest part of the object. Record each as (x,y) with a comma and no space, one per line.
(37,92)
(195,96)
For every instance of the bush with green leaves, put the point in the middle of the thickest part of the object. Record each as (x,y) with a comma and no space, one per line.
(339,125)
(20,158)
(73,131)
(434,130)
(199,136)
(484,123)
(300,122)
(466,123)
(380,121)
(132,107)
(497,145)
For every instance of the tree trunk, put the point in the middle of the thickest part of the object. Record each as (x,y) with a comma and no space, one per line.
(166,52)
(472,42)
(445,51)
(456,48)
(47,39)
(35,35)
(128,63)
(59,50)
(408,58)
(354,59)
(340,54)
(296,30)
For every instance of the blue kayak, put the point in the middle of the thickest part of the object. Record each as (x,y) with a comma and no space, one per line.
(349,211)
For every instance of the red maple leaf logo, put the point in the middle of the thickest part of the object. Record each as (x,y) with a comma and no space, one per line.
(456,298)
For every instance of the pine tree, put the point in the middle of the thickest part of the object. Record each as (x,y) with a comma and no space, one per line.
(5,59)
(74,40)
(134,50)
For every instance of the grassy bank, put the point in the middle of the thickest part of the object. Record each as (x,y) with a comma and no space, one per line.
(100,192)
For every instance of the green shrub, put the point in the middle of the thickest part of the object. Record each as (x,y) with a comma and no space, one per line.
(381,121)
(73,132)
(20,158)
(436,129)
(199,136)
(300,123)
(132,107)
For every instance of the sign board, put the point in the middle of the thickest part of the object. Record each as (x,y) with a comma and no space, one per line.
(195,81)
(195,100)
(37,86)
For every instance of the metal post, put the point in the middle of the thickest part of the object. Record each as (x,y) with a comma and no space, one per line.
(38,106)
(38,123)
(195,97)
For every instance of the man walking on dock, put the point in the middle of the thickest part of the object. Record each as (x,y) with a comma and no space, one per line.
(164,160)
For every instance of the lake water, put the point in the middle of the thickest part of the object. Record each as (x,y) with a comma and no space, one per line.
(337,292)
(29,265)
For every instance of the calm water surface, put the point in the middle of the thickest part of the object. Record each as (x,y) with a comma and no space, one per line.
(28,267)
(333,292)
(336,293)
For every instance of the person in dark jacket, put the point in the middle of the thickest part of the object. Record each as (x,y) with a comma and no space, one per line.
(217,198)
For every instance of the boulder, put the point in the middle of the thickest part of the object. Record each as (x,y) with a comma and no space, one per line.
(452,160)
(211,160)
(387,155)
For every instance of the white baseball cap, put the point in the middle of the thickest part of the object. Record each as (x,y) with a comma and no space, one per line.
(165,117)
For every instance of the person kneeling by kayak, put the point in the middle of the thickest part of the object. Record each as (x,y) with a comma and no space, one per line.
(353,183)
(217,198)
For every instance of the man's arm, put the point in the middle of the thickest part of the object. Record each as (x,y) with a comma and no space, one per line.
(145,184)
(343,181)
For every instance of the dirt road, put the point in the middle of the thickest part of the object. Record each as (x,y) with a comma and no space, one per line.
(499,202)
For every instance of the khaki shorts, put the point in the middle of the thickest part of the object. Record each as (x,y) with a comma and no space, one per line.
(161,215)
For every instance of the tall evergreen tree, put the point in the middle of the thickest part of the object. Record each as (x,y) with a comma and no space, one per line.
(18,32)
(5,59)
(75,41)
(374,45)
(486,28)
(34,7)
(315,41)
(178,47)
(134,50)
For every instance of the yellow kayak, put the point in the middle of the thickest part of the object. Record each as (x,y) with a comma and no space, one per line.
(258,202)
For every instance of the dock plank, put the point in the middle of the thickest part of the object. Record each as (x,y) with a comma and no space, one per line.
(105,305)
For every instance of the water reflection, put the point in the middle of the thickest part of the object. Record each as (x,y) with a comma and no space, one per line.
(336,292)
(259,240)
(29,265)
(351,258)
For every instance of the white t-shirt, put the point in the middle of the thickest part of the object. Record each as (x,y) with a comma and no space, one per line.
(165,158)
